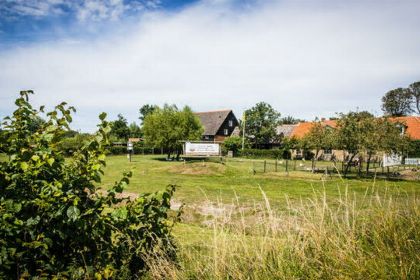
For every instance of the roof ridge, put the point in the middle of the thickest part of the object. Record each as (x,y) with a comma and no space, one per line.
(213,111)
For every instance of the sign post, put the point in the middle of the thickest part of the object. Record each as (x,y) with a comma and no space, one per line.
(129,150)
(204,149)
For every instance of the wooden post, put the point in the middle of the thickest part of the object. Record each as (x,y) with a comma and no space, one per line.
(265,165)
(287,165)
(275,166)
(294,165)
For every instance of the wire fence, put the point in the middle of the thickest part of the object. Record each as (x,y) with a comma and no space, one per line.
(325,167)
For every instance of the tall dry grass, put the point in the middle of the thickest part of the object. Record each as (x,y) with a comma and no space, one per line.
(375,236)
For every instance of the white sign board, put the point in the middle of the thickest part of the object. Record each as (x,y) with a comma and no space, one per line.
(391,160)
(412,161)
(129,146)
(202,149)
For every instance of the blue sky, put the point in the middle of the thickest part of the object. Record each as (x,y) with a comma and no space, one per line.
(306,58)
(31,21)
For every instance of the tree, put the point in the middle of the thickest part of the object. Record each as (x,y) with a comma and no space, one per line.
(146,110)
(261,122)
(167,127)
(234,144)
(319,137)
(414,90)
(54,221)
(289,120)
(352,129)
(135,130)
(120,129)
(397,102)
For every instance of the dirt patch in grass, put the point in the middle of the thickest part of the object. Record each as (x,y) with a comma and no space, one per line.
(411,174)
(198,168)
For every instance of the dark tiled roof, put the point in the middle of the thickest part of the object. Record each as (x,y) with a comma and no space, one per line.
(286,129)
(212,120)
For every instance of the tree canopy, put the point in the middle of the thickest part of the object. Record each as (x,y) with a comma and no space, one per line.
(402,101)
(146,110)
(166,127)
(261,123)
(119,128)
(414,89)
(397,102)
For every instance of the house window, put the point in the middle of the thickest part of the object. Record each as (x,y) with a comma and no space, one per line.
(226,131)
(327,151)
(230,123)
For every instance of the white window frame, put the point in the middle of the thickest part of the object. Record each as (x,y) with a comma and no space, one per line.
(230,123)
(226,131)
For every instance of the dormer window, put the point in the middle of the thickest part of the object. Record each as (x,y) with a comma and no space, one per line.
(402,128)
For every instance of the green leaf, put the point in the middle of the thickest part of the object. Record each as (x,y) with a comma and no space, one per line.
(96,167)
(101,157)
(24,166)
(73,213)
(50,161)
(102,116)
(35,158)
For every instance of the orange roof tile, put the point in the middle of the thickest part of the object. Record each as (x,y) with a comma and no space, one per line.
(413,125)
(303,128)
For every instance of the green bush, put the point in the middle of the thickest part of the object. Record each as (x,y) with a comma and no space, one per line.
(234,144)
(414,148)
(138,149)
(257,153)
(118,150)
(69,145)
(54,221)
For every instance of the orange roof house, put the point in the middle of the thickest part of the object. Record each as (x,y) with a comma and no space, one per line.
(412,125)
(303,128)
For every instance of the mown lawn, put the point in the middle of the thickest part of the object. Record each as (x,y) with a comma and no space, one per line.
(235,180)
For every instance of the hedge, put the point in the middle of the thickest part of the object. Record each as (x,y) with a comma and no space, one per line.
(257,153)
(138,150)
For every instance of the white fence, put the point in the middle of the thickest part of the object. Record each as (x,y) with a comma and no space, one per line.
(412,161)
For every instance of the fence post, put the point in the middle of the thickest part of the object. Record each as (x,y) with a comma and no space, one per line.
(265,165)
(287,165)
(294,165)
(276,165)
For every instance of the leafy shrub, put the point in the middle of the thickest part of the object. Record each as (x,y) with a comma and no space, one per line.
(414,148)
(69,145)
(257,153)
(118,150)
(54,223)
(138,149)
(234,144)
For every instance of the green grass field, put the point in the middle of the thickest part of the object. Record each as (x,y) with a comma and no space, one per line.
(278,225)
(211,181)
(238,224)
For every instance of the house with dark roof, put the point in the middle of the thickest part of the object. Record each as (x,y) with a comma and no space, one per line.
(218,124)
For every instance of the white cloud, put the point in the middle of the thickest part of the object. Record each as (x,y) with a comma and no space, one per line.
(305,59)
